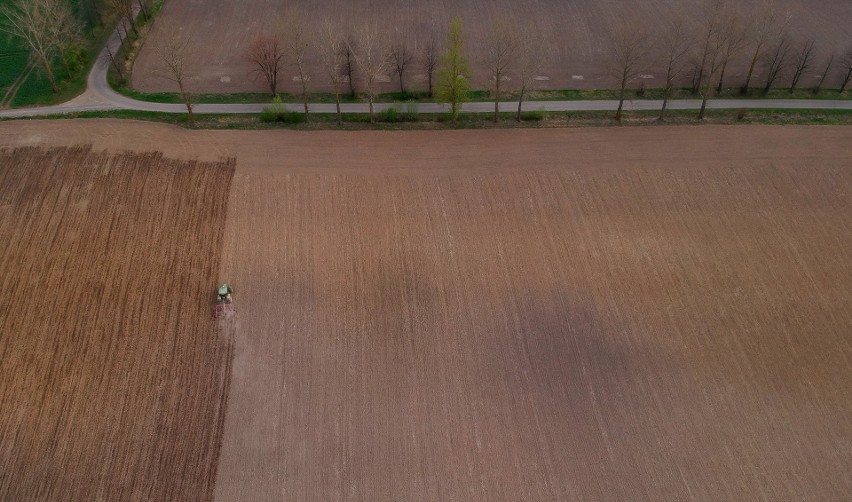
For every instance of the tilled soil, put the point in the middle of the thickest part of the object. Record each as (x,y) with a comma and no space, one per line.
(113,377)
(581,321)
(575,33)
(609,314)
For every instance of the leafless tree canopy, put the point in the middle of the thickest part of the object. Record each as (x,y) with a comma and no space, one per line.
(298,45)
(371,54)
(330,47)
(265,56)
(627,49)
(675,44)
(533,54)
(400,58)
(802,62)
(429,59)
(847,69)
(177,63)
(47,27)
(500,48)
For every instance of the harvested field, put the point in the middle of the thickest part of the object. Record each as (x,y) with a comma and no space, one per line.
(113,376)
(221,30)
(607,314)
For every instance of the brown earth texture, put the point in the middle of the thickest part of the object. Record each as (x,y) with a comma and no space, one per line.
(220,31)
(658,313)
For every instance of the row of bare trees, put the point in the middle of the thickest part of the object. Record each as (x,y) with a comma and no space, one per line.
(698,45)
(701,45)
(368,54)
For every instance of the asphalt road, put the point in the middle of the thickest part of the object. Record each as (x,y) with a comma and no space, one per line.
(100,96)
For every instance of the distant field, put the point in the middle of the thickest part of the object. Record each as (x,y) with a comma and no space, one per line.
(220,31)
(112,375)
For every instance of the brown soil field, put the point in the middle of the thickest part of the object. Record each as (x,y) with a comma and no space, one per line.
(608,314)
(221,30)
(113,376)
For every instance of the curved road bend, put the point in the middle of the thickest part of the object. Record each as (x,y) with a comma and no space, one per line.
(100,96)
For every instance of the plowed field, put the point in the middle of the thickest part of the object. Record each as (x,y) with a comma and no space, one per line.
(113,376)
(604,314)
(221,30)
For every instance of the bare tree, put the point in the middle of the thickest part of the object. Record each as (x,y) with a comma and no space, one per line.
(124,10)
(776,61)
(802,62)
(533,52)
(767,24)
(330,46)
(627,48)
(348,55)
(112,59)
(709,26)
(675,43)
(847,70)
(734,35)
(176,63)
(45,26)
(265,56)
(371,56)
(824,75)
(429,58)
(500,44)
(400,57)
(297,47)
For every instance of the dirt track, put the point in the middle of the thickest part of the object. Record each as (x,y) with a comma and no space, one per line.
(638,313)
(221,30)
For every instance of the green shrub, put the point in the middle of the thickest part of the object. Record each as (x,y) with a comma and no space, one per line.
(277,112)
(412,111)
(532,116)
(390,115)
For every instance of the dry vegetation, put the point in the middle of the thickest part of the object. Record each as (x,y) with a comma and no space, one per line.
(113,374)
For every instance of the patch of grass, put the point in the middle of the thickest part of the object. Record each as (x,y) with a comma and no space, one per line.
(532,116)
(483,120)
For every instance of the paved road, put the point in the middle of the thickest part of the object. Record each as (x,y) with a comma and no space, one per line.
(100,96)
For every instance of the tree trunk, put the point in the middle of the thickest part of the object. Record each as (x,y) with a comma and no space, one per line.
(744,88)
(430,85)
(50,75)
(370,99)
(824,75)
(846,80)
(401,85)
(143,10)
(521,101)
(497,99)
(704,100)
(666,94)
(620,100)
(722,77)
(349,74)
(339,114)
(186,100)
(304,82)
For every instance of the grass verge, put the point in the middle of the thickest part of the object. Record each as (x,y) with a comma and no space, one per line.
(484,121)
